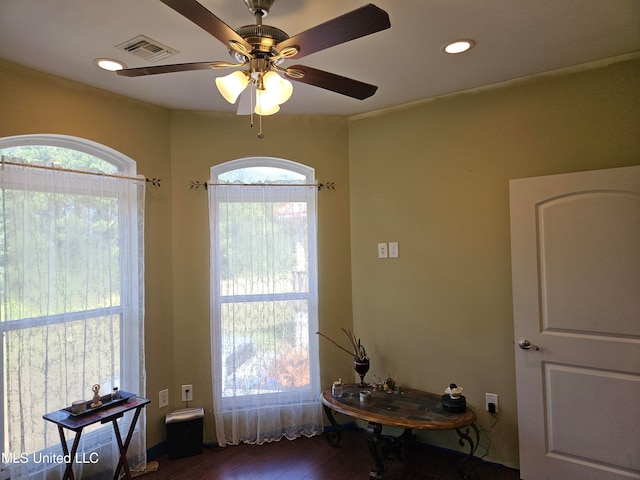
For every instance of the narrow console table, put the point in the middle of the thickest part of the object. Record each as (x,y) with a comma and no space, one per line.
(411,410)
(109,413)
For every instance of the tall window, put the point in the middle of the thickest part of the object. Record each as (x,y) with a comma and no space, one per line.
(71,301)
(264,301)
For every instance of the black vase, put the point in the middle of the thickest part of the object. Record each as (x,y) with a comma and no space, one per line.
(362,367)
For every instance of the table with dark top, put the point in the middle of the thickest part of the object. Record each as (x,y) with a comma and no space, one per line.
(409,409)
(108,413)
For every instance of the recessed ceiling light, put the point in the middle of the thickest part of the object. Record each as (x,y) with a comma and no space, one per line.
(108,64)
(459,46)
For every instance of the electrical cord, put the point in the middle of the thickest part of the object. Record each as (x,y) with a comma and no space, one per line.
(486,432)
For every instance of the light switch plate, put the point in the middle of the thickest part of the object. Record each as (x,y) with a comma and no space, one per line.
(393,249)
(163,398)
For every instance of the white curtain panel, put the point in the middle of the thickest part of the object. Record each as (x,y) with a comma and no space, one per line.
(72,310)
(264,312)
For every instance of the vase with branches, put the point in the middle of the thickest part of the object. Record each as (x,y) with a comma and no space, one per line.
(360,357)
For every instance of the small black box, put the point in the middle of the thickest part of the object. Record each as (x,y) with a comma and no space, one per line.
(454,405)
(184,433)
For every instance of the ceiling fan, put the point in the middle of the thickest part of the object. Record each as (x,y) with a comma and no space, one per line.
(260,50)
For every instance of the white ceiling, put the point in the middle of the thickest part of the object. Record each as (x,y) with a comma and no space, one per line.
(515,39)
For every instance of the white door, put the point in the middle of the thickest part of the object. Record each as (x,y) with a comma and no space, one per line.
(575,241)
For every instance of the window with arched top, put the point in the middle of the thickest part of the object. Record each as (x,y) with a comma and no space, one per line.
(264,309)
(72,296)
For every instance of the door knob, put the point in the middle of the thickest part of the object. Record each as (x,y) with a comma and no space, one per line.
(526,345)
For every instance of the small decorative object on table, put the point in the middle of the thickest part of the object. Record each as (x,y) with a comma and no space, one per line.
(336,389)
(453,401)
(389,385)
(96,396)
(360,357)
(78,407)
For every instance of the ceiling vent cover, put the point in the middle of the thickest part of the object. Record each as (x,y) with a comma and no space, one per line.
(146,48)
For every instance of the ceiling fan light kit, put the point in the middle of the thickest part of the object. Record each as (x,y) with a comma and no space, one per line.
(232,85)
(261,49)
(279,88)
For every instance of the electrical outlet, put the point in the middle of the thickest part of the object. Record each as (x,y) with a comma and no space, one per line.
(491,398)
(383,250)
(187,393)
(163,398)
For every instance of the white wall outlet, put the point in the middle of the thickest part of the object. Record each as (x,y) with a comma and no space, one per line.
(491,398)
(383,250)
(187,393)
(393,249)
(163,398)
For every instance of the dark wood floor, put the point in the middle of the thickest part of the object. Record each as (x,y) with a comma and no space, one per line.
(314,459)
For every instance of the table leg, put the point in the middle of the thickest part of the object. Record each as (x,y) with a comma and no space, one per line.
(68,471)
(123,463)
(465,437)
(373,441)
(403,443)
(334,436)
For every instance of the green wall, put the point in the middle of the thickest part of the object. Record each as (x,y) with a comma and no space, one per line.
(179,147)
(32,102)
(200,140)
(432,176)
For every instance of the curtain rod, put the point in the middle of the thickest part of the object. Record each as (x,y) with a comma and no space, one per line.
(155,182)
(196,184)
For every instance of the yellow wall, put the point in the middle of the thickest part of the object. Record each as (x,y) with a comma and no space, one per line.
(200,140)
(434,177)
(179,147)
(31,102)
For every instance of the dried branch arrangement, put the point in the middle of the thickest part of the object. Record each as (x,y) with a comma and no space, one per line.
(358,351)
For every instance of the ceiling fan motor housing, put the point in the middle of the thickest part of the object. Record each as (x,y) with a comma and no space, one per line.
(263,39)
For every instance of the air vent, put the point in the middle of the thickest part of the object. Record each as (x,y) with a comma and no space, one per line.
(145,47)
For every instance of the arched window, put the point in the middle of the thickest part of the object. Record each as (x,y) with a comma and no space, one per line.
(72,301)
(264,311)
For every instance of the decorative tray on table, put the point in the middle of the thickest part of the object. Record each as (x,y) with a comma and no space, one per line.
(106,403)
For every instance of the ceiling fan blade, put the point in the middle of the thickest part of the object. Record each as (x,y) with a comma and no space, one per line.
(202,17)
(335,83)
(178,67)
(355,24)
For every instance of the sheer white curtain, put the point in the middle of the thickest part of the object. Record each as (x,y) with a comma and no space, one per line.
(264,311)
(71,273)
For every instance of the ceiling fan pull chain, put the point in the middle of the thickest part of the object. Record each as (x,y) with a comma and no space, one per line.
(260,134)
(251,102)
(251,93)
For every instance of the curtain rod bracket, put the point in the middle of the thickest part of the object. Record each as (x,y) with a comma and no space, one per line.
(196,184)
(154,182)
(328,186)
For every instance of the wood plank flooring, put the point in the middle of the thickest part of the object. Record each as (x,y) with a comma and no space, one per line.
(314,459)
